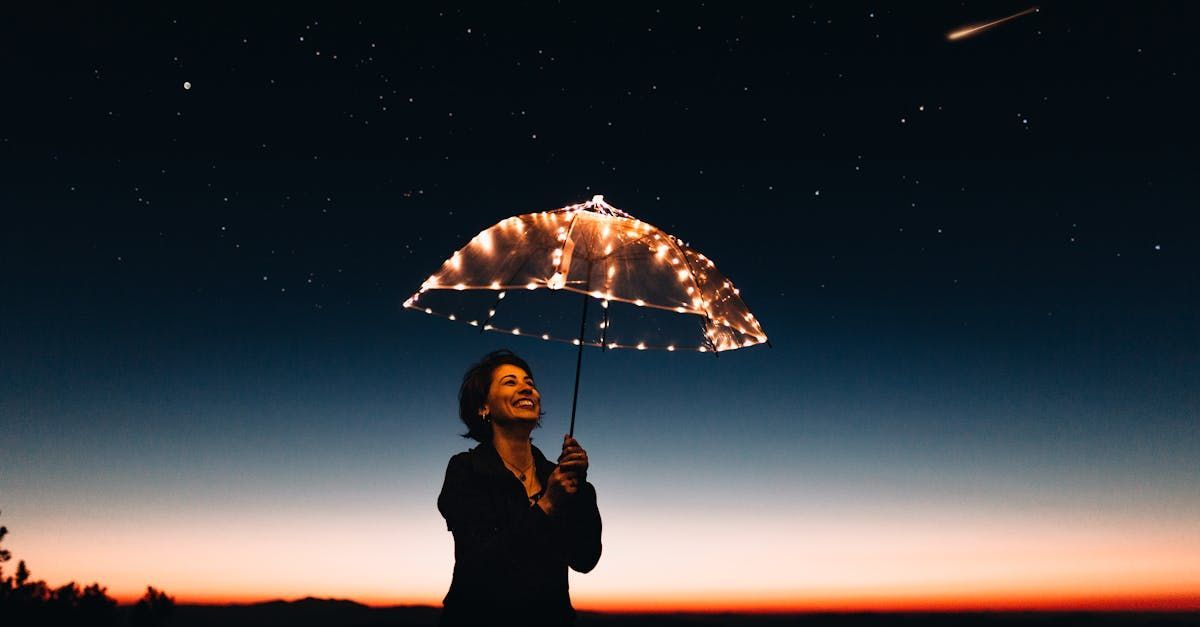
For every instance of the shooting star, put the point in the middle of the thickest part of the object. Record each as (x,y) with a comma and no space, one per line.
(971,30)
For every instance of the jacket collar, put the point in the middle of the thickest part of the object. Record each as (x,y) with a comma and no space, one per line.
(486,460)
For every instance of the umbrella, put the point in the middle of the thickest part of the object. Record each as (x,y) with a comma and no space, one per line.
(510,278)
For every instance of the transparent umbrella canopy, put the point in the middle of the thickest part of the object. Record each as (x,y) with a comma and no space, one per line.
(512,278)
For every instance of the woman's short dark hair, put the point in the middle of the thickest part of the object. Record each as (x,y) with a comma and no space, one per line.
(474,391)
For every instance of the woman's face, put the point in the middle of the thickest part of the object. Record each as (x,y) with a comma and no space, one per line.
(513,395)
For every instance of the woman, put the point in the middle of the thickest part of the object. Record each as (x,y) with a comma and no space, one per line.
(518,519)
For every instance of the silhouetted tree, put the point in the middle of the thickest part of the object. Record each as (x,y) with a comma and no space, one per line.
(152,610)
(5,584)
(27,602)
(4,555)
(95,607)
(22,574)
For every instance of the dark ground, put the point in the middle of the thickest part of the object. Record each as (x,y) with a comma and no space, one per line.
(316,612)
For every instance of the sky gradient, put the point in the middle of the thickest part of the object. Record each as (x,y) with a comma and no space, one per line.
(975,261)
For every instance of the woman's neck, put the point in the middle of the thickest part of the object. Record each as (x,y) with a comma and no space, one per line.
(513,446)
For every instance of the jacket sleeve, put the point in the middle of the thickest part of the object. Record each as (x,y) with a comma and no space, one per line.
(482,530)
(581,525)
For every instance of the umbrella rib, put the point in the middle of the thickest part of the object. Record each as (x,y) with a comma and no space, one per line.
(691,272)
(496,306)
(692,276)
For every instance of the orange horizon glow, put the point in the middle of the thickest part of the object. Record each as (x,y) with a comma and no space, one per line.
(928,559)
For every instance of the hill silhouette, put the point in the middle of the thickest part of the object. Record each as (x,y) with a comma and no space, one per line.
(306,612)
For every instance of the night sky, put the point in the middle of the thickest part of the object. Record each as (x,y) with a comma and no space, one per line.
(975,259)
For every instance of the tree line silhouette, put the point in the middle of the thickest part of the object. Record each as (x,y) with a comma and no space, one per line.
(27,602)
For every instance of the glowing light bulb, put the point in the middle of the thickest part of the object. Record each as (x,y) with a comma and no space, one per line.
(671,348)
(641,346)
(531,285)
(575,341)
(640,303)
(557,282)
(545,336)
(460,287)
(495,285)
(428,310)
(452,317)
(516,331)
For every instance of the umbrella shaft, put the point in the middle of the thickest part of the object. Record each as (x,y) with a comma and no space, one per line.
(578,363)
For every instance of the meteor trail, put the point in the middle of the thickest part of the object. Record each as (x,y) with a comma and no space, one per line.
(971,30)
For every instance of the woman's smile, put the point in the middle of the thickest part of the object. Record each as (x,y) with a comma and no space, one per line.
(513,394)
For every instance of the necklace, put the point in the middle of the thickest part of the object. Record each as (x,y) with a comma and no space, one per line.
(520,472)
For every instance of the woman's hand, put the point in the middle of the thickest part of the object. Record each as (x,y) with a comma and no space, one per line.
(574,459)
(567,477)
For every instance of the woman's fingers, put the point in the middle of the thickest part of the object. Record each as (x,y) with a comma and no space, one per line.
(573,464)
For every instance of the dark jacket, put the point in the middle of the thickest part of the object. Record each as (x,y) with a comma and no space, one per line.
(510,558)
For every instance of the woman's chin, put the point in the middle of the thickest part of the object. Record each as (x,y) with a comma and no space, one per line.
(522,418)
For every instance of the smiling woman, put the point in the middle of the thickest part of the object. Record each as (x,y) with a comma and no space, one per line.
(518,520)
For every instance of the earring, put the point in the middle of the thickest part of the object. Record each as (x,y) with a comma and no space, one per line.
(484,415)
